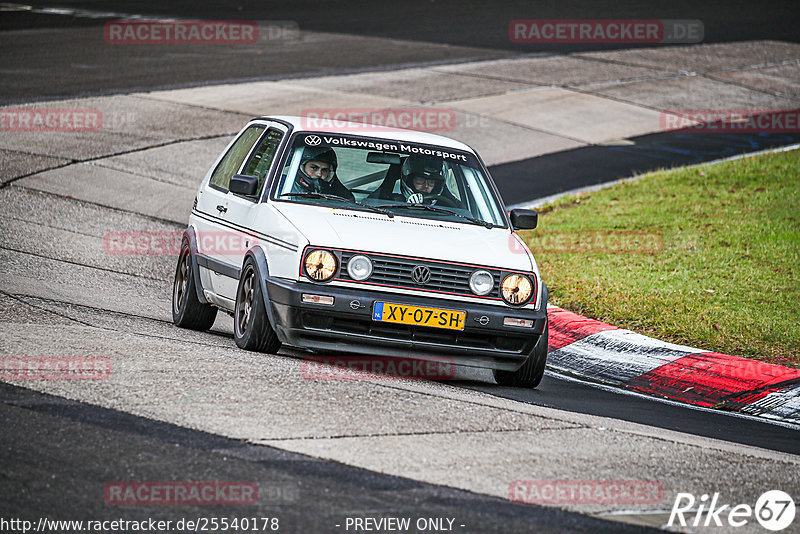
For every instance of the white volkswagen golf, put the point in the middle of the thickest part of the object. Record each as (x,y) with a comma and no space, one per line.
(352,239)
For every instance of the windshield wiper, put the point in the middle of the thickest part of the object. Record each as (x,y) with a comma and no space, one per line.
(428,207)
(376,209)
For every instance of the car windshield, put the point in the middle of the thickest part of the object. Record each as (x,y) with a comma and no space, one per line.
(403,178)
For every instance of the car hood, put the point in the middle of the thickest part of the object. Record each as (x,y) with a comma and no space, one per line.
(408,236)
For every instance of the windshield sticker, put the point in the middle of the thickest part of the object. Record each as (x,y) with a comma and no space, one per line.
(405,148)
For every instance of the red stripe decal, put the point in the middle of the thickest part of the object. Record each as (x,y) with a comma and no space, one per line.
(710,378)
(567,327)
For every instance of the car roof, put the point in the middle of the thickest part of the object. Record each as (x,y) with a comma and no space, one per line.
(321,125)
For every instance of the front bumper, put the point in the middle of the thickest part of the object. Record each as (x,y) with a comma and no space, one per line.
(347,326)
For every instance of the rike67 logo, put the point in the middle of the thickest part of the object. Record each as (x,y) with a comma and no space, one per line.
(774,510)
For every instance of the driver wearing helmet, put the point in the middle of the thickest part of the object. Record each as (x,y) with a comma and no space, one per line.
(317,173)
(422,181)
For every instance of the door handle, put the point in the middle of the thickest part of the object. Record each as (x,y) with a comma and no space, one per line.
(222,209)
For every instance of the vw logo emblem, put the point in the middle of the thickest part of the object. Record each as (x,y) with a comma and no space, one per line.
(421,275)
(312,140)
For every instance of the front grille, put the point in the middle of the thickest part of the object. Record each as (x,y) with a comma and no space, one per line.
(396,271)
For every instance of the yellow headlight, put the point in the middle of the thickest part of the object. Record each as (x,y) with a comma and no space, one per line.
(516,288)
(320,265)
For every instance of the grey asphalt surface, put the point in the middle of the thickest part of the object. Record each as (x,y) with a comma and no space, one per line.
(58,453)
(579,397)
(593,165)
(57,456)
(45,56)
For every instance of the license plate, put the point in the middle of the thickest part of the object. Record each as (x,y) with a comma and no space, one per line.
(400,313)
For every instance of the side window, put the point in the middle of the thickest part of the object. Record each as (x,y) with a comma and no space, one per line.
(261,159)
(235,156)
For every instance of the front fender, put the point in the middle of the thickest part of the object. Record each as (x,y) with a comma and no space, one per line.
(262,272)
(545,296)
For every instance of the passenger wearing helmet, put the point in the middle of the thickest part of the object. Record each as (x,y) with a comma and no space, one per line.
(317,173)
(422,181)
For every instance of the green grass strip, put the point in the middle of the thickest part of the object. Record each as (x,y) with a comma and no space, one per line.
(707,256)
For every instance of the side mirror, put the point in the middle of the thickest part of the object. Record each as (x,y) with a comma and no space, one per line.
(242,184)
(524,219)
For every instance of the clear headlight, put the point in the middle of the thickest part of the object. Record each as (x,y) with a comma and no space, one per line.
(359,267)
(516,289)
(481,282)
(320,265)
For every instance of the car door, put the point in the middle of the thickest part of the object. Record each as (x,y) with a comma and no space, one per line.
(223,218)
(241,210)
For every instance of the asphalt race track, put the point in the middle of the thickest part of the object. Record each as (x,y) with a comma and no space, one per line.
(57,58)
(589,166)
(183,406)
(60,442)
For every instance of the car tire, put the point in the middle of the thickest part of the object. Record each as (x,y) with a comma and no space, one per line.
(532,371)
(187,310)
(251,327)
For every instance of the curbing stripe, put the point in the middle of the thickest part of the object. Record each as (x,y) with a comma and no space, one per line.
(782,405)
(603,353)
(615,356)
(567,328)
(712,379)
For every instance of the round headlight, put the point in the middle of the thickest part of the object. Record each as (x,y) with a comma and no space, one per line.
(359,267)
(320,265)
(481,282)
(516,289)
